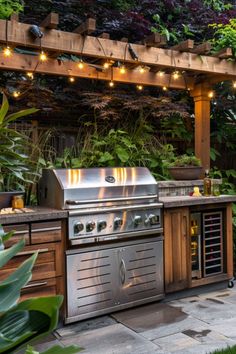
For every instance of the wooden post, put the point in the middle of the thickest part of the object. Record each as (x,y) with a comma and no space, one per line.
(201,98)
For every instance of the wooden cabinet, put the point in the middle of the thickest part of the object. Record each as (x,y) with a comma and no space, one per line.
(176,249)
(46,238)
(215,246)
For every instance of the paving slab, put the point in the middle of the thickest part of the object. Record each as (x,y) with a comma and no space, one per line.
(114,339)
(174,342)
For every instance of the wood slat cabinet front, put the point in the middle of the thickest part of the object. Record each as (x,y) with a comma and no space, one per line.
(176,249)
(46,238)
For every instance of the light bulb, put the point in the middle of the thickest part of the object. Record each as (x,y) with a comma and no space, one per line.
(234,84)
(7,52)
(81,64)
(164,88)
(140,87)
(111,84)
(142,70)
(42,56)
(71,79)
(175,75)
(122,69)
(16,94)
(211,94)
(30,75)
(160,73)
(106,65)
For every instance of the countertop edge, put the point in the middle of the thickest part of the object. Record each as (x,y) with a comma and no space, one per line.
(179,201)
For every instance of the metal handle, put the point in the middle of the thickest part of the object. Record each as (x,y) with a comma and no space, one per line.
(122,271)
(90,201)
(185,231)
(47,229)
(34,285)
(28,253)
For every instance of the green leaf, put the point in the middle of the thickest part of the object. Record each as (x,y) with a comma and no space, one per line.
(72,349)
(19,114)
(4,108)
(6,255)
(122,154)
(106,156)
(5,236)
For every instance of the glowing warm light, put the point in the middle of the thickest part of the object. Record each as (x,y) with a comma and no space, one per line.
(234,84)
(71,79)
(122,69)
(16,94)
(175,75)
(164,88)
(106,65)
(142,70)
(30,75)
(81,64)
(42,56)
(139,87)
(7,52)
(211,94)
(111,84)
(161,73)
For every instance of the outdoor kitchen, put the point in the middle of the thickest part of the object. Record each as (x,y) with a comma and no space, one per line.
(117,177)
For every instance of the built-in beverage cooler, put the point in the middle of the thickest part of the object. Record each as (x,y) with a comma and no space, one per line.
(206,242)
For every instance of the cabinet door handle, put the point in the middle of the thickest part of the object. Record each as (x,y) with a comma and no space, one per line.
(29,253)
(122,271)
(34,285)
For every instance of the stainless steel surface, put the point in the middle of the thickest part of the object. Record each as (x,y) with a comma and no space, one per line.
(96,187)
(116,223)
(108,279)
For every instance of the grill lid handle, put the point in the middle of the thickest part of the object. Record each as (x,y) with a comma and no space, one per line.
(124,199)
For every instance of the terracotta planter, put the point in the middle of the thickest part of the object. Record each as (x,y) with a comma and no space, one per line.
(185,173)
(6,198)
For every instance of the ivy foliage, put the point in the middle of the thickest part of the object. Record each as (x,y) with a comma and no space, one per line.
(7,7)
(225,36)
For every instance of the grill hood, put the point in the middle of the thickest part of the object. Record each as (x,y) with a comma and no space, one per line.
(93,187)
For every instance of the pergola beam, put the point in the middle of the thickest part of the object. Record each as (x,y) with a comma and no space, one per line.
(67,42)
(22,62)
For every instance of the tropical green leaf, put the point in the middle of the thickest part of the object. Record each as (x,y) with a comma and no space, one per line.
(122,154)
(72,349)
(24,112)
(7,254)
(4,108)
(5,236)
(106,156)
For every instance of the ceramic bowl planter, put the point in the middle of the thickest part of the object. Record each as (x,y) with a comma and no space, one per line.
(185,173)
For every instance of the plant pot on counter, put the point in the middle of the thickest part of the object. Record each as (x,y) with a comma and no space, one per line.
(6,198)
(186,172)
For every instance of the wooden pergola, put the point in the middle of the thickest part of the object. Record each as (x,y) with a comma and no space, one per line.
(197,70)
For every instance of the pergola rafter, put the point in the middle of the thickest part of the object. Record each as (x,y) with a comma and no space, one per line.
(199,70)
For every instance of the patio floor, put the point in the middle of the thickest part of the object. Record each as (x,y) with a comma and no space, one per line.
(195,324)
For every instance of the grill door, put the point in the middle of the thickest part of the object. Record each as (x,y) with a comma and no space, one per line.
(110,279)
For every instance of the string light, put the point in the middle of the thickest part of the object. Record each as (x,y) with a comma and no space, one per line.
(106,65)
(234,84)
(160,73)
(140,87)
(111,84)
(122,69)
(211,94)
(164,88)
(30,75)
(7,52)
(142,69)
(15,94)
(81,64)
(71,79)
(175,75)
(43,56)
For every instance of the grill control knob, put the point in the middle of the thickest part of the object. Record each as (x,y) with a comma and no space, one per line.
(138,220)
(118,222)
(90,226)
(102,224)
(78,227)
(154,219)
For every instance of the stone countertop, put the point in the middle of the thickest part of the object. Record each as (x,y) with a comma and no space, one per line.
(180,201)
(33,214)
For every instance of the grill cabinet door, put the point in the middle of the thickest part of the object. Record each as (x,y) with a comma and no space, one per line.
(90,282)
(140,271)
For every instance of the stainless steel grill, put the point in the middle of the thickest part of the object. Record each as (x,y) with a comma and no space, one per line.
(115,257)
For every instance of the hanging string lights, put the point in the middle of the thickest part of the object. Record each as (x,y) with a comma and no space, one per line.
(7,51)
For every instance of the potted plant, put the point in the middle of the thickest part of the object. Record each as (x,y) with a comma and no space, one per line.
(14,161)
(185,167)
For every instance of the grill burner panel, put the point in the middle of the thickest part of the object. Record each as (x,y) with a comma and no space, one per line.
(109,225)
